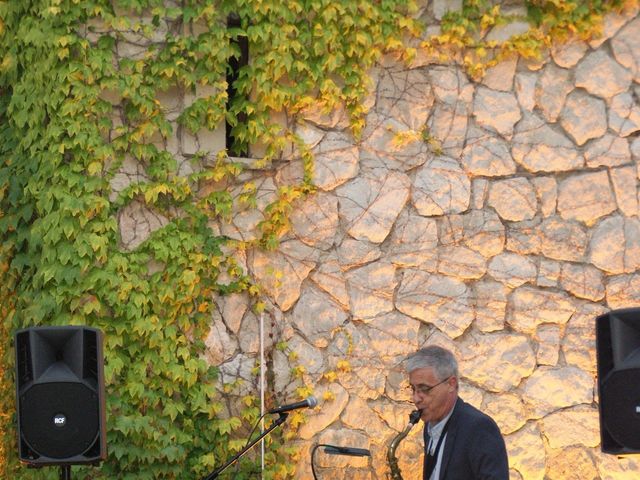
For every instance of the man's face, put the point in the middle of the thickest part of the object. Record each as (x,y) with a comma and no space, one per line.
(434,396)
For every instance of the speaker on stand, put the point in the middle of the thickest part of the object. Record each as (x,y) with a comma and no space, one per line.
(618,358)
(60,397)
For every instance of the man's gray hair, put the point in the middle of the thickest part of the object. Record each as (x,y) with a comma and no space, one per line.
(440,359)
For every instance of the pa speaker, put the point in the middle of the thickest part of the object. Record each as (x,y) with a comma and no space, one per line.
(60,395)
(618,358)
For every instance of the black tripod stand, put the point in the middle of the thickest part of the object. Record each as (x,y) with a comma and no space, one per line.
(279,421)
(65,472)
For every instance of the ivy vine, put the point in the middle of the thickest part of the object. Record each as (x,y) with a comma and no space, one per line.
(75,107)
(82,84)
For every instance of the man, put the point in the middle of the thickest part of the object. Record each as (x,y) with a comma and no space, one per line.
(461,442)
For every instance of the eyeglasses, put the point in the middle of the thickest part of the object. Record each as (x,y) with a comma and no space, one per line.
(425,389)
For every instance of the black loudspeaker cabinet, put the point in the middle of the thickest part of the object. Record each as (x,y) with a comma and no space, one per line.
(618,358)
(60,395)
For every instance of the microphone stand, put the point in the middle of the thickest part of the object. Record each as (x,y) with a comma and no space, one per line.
(279,421)
(336,450)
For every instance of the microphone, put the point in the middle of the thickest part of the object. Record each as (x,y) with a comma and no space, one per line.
(308,402)
(350,451)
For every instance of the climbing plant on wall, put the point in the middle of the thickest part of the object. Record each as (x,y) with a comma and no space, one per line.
(75,106)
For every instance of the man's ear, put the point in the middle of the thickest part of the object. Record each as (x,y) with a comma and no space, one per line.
(453,382)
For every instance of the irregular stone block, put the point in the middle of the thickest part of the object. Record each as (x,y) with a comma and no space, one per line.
(335,161)
(571,463)
(355,253)
(507,410)
(513,199)
(481,356)
(618,468)
(623,291)
(441,7)
(239,369)
(391,337)
(497,111)
(405,95)
(371,203)
(315,315)
(568,54)
(480,230)
(448,121)
(461,262)
(547,194)
(487,155)
(523,237)
(442,301)
(583,281)
(500,76)
(364,381)
(315,222)
(539,148)
(221,346)
(389,143)
(635,148)
(329,277)
(548,348)
(318,419)
(413,242)
(610,151)
(552,88)
(562,240)
(371,289)
(357,413)
(548,273)
(601,75)
(579,340)
(450,85)
(586,197)
(611,24)
(136,222)
(583,117)
(624,181)
(523,448)
(532,306)
(512,269)
(525,88)
(626,49)
(479,193)
(246,218)
(441,187)
(503,32)
(491,305)
(615,245)
(624,114)
(281,272)
(553,388)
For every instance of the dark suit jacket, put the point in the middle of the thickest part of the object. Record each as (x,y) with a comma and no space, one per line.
(474,448)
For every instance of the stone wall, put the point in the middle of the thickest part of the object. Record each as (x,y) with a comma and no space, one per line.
(497,218)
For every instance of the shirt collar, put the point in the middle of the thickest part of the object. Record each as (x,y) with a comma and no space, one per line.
(434,431)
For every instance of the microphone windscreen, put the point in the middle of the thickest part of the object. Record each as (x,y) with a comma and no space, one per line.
(312,401)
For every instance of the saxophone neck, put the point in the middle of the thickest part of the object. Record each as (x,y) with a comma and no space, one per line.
(391,452)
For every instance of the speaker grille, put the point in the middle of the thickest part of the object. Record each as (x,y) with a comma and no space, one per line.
(621,407)
(60,420)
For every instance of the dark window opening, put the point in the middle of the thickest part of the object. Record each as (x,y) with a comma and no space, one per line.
(235,147)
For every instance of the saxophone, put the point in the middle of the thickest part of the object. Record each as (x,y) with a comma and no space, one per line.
(391,451)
